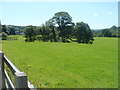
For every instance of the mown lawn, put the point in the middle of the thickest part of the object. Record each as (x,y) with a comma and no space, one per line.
(64,65)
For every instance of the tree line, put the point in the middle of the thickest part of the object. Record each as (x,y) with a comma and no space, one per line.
(6,30)
(60,28)
(108,32)
(12,29)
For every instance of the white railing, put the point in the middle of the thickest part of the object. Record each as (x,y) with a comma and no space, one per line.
(20,77)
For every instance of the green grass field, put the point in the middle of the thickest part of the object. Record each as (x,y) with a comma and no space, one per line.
(66,65)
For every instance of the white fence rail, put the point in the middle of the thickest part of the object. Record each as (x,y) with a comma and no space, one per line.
(20,77)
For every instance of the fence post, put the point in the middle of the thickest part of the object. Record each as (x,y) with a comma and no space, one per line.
(21,80)
(2,78)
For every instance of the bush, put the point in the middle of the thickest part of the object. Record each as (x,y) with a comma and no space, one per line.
(30,34)
(32,39)
(39,37)
(3,36)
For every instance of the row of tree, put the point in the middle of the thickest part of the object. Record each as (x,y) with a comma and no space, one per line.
(6,30)
(13,30)
(109,32)
(60,28)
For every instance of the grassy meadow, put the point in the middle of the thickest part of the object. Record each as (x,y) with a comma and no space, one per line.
(63,65)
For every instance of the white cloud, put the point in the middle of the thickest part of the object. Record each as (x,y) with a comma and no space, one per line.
(110,12)
(95,14)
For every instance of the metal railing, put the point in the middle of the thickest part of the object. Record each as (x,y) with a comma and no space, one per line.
(21,80)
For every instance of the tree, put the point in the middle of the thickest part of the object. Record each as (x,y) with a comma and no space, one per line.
(106,33)
(0,27)
(64,22)
(30,33)
(83,33)
(50,24)
(45,32)
(118,32)
(114,31)
(12,31)
(4,29)
(3,35)
(37,30)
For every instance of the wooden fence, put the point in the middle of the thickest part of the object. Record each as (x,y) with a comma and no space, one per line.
(20,77)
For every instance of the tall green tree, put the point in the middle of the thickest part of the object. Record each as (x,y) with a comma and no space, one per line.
(118,32)
(106,33)
(3,36)
(0,27)
(12,31)
(4,29)
(64,23)
(30,33)
(50,24)
(45,32)
(83,33)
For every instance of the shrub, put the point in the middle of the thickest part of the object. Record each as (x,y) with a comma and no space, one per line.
(3,36)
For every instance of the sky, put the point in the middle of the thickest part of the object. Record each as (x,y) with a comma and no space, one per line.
(97,15)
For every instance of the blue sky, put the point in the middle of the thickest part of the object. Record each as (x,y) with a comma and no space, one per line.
(98,15)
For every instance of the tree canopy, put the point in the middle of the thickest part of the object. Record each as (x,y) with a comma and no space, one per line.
(30,34)
(3,36)
(83,33)
(64,22)
(60,28)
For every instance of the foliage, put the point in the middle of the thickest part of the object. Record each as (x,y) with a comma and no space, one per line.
(114,31)
(30,34)
(4,29)
(109,32)
(60,28)
(3,35)
(106,33)
(83,33)
(64,22)
(45,32)
(119,32)
(11,31)
(50,24)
